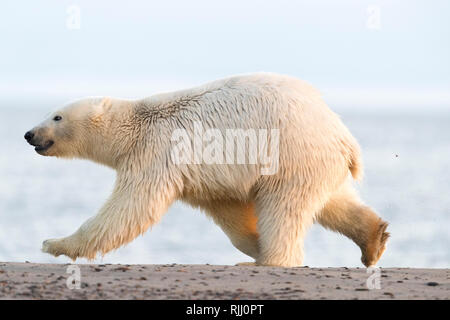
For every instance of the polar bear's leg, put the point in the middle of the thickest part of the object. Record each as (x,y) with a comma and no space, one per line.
(346,214)
(135,205)
(284,215)
(239,222)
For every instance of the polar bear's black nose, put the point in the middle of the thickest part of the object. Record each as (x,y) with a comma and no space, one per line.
(29,135)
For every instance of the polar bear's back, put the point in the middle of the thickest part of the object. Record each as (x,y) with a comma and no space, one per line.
(312,138)
(272,101)
(263,98)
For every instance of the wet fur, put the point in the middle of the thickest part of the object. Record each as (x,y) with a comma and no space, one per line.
(265,217)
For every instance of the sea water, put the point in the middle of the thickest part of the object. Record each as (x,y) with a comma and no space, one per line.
(407,165)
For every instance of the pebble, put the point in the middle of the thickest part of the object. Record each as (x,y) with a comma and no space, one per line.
(432,284)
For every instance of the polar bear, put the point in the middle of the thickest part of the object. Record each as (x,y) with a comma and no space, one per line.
(265,215)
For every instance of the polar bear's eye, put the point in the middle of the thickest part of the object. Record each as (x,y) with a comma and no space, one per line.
(57,118)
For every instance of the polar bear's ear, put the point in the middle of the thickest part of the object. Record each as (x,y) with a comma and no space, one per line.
(100,107)
(106,103)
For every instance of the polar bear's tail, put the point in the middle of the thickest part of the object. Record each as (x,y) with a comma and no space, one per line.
(355,164)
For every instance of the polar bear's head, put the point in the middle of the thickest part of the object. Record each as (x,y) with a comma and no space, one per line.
(69,132)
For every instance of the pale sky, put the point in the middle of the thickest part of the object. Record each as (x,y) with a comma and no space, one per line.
(371,52)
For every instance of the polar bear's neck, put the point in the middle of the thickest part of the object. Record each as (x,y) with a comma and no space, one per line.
(111,139)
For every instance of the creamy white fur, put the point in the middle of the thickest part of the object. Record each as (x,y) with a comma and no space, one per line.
(265,217)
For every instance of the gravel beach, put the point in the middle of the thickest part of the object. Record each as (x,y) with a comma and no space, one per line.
(49,281)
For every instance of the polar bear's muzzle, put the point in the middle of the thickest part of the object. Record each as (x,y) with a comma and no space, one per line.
(40,145)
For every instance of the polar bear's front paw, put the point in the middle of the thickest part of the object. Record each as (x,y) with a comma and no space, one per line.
(52,246)
(73,247)
(57,247)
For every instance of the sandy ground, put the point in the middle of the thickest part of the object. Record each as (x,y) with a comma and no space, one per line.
(49,281)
